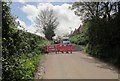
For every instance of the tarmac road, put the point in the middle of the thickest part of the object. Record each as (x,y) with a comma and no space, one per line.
(76,66)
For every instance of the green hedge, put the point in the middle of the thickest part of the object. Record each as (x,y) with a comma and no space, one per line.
(21,50)
(82,37)
(21,56)
(102,39)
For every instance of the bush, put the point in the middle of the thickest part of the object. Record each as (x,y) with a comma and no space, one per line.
(21,50)
(104,39)
(20,58)
(82,37)
(27,66)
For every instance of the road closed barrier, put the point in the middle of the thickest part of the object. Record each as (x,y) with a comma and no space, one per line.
(50,48)
(60,48)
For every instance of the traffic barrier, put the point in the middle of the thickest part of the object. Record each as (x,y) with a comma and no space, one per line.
(50,48)
(60,48)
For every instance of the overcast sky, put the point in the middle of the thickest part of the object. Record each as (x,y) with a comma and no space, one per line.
(28,11)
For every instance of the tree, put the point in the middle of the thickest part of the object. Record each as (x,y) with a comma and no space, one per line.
(87,10)
(47,22)
(95,10)
(101,20)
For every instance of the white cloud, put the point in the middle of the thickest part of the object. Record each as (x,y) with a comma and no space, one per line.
(21,23)
(31,11)
(66,17)
(21,1)
(31,29)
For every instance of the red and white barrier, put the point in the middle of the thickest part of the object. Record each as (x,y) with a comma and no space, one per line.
(60,48)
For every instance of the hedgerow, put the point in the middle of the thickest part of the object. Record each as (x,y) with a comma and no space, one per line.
(21,50)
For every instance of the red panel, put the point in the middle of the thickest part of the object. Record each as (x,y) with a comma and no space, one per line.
(60,48)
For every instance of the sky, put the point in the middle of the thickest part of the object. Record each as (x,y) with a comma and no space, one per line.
(26,13)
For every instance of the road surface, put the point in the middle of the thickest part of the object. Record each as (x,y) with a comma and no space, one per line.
(76,66)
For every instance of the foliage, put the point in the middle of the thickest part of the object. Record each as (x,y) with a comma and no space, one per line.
(102,29)
(21,50)
(82,38)
(47,21)
(74,39)
(104,41)
(92,10)
(27,66)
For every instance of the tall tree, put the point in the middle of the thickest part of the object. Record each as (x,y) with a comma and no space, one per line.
(47,22)
(102,22)
(92,10)
(87,10)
